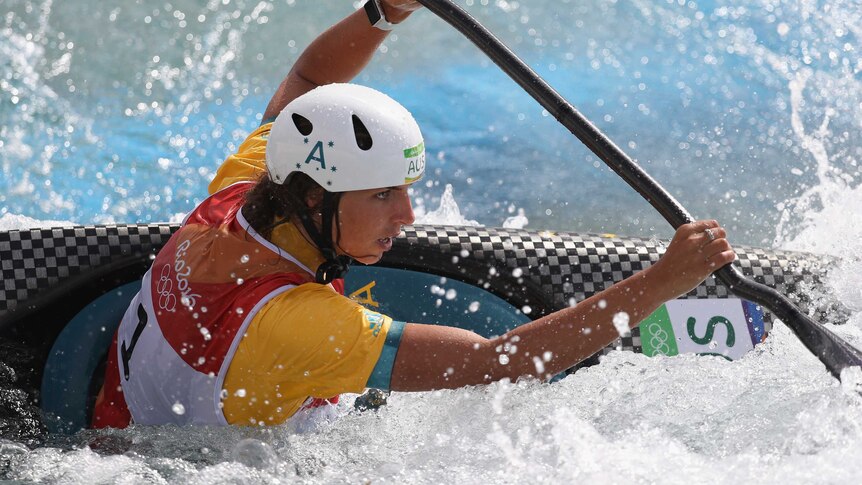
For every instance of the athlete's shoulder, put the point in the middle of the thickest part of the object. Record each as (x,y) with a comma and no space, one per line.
(315,302)
(256,140)
(310,293)
(248,163)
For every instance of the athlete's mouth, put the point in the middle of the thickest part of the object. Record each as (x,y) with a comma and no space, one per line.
(387,241)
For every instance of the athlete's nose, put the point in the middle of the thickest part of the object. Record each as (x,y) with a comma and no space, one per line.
(404,214)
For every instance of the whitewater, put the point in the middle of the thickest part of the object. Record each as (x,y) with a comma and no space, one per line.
(121,112)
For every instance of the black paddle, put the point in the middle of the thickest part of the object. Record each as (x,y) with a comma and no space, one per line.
(835,353)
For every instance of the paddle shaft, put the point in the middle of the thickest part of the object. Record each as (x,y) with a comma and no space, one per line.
(834,352)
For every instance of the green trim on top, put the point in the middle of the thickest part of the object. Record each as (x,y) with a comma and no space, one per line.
(414,151)
(382,374)
(268,120)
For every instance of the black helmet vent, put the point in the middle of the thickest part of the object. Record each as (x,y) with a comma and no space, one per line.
(363,138)
(302,124)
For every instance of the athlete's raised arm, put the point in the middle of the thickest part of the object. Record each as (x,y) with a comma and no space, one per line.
(338,54)
(435,357)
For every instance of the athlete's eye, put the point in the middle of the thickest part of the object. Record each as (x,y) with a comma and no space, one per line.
(383,195)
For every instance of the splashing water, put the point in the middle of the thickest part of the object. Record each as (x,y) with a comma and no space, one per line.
(91,132)
(447,213)
(632,418)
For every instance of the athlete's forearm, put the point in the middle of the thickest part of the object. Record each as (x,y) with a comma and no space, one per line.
(564,338)
(337,55)
(453,358)
(573,334)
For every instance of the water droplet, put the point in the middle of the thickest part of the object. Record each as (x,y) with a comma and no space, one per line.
(603,304)
(540,366)
(178,409)
(504,359)
(451,294)
(526,309)
(244,259)
(547,356)
(621,323)
(474,307)
(517,272)
(239,393)
(240,311)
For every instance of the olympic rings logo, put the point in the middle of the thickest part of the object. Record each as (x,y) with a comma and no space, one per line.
(658,339)
(167,300)
(165,285)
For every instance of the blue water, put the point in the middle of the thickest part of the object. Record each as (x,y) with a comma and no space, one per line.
(122,112)
(749,113)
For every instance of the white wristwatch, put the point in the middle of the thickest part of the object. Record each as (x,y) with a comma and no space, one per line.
(376,16)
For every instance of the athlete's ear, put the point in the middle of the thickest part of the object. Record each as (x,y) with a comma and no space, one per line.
(314,198)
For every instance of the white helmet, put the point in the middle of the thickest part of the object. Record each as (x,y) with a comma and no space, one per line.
(346,137)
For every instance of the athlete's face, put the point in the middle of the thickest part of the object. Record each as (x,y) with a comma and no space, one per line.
(370,219)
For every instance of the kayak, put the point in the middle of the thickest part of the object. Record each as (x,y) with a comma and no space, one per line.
(65,290)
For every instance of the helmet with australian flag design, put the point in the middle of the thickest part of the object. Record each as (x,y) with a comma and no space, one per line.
(346,137)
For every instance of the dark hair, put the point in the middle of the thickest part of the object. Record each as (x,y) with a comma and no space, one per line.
(269,204)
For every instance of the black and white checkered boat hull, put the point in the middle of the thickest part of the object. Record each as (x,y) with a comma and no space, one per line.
(57,270)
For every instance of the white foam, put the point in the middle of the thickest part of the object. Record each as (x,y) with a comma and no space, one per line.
(447,213)
(10,222)
(519,221)
(631,419)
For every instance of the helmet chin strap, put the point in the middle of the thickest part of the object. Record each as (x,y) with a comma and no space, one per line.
(335,266)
